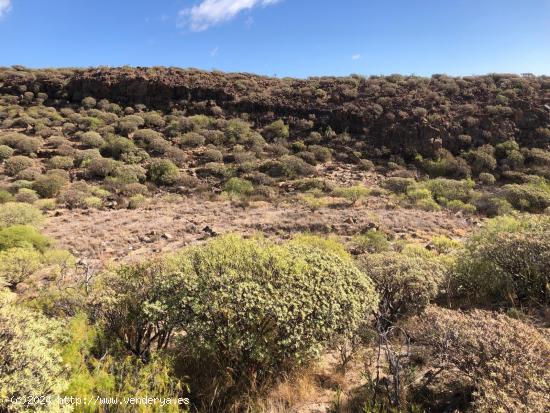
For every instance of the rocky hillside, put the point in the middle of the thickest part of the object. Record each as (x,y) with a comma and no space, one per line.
(405,114)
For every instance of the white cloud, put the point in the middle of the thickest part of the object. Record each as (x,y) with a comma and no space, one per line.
(211,12)
(214,51)
(356,57)
(5,6)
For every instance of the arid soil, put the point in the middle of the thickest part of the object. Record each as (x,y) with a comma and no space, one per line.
(101,235)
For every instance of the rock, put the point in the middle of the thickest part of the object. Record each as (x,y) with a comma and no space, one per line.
(167,236)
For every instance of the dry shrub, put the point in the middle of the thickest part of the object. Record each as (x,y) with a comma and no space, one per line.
(505,361)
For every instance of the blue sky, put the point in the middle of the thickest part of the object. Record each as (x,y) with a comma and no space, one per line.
(284,37)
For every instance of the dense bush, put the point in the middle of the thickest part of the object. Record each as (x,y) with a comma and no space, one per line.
(163,172)
(506,262)
(501,362)
(238,186)
(533,197)
(49,185)
(16,213)
(22,236)
(5,152)
(406,284)
(16,164)
(30,360)
(92,139)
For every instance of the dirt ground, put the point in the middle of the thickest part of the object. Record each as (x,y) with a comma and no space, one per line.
(162,226)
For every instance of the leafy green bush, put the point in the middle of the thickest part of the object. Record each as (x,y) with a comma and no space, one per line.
(49,185)
(398,185)
(102,167)
(30,360)
(216,169)
(450,189)
(288,166)
(533,197)
(61,162)
(17,264)
(276,130)
(256,309)
(163,172)
(5,152)
(192,140)
(406,284)
(352,193)
(16,164)
(16,213)
(371,241)
(26,195)
(492,205)
(238,186)
(22,236)
(5,196)
(486,178)
(92,139)
(506,262)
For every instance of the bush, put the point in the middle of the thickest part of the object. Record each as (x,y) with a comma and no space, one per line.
(49,185)
(450,189)
(256,309)
(492,206)
(488,353)
(211,155)
(276,131)
(352,193)
(29,174)
(238,186)
(26,195)
(5,152)
(398,185)
(372,242)
(506,262)
(163,172)
(482,159)
(82,158)
(192,140)
(216,169)
(18,264)
(30,361)
(532,197)
(405,284)
(5,196)
(92,139)
(102,167)
(16,213)
(61,162)
(24,144)
(22,236)
(321,153)
(288,166)
(487,178)
(16,164)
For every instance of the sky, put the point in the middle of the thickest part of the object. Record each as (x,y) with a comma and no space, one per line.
(297,38)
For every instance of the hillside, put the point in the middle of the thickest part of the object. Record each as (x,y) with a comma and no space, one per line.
(238,243)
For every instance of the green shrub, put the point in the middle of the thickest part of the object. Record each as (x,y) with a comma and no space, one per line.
(102,167)
(487,178)
(117,146)
(450,189)
(18,264)
(5,152)
(30,360)
(29,174)
(26,195)
(288,166)
(16,164)
(127,174)
(371,242)
(16,213)
(136,201)
(92,139)
(321,153)
(276,131)
(427,204)
(405,284)
(22,236)
(22,143)
(256,309)
(49,185)
(61,162)
(5,196)
(398,185)
(89,102)
(81,158)
(506,262)
(216,169)
(192,140)
(211,155)
(533,197)
(492,205)
(353,193)
(163,172)
(482,159)
(238,186)
(458,206)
